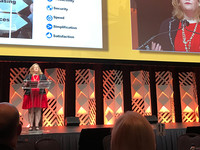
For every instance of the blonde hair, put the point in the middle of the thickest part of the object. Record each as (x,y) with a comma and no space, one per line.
(178,12)
(32,69)
(132,131)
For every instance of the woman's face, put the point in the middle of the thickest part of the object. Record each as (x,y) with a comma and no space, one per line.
(189,5)
(36,69)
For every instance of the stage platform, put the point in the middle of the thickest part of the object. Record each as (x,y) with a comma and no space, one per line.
(68,137)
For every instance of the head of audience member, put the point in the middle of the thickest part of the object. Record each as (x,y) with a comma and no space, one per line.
(10,127)
(132,131)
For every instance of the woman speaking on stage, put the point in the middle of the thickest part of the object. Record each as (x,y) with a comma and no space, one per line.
(34,99)
(182,30)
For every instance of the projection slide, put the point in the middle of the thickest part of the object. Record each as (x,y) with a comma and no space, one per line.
(63,23)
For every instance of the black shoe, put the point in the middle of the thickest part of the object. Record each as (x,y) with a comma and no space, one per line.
(37,128)
(30,128)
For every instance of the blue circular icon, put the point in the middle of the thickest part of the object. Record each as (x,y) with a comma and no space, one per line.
(49,26)
(49,0)
(49,35)
(49,18)
(49,7)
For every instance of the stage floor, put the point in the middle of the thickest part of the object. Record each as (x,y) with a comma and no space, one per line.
(68,137)
(77,129)
(61,129)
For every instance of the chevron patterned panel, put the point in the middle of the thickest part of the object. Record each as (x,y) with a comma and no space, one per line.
(112,95)
(140,91)
(61,76)
(165,117)
(118,77)
(189,117)
(108,84)
(88,118)
(82,76)
(17,75)
(189,104)
(84,119)
(60,95)
(54,114)
(49,114)
(165,99)
(108,96)
(138,106)
(92,111)
(85,96)
(60,120)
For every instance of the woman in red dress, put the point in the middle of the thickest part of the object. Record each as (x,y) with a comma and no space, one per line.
(34,99)
(183,29)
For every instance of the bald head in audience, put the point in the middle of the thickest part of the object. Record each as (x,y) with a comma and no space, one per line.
(10,128)
(132,131)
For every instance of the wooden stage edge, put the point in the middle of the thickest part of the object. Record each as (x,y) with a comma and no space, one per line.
(77,129)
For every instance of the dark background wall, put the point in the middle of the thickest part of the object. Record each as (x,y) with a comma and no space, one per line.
(99,66)
(151,13)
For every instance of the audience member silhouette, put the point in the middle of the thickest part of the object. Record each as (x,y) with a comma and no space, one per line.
(132,131)
(10,127)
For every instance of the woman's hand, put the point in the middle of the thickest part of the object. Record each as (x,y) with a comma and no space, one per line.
(156,46)
(25,84)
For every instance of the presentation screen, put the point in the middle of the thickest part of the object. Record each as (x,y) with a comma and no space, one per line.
(62,23)
(164,26)
(92,30)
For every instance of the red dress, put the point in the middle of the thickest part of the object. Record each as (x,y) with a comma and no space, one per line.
(35,99)
(195,42)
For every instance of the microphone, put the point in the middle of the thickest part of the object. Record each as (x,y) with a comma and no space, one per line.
(184,23)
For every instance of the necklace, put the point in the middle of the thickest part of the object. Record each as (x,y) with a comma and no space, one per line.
(187,48)
(35,77)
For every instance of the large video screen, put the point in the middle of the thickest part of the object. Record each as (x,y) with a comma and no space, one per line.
(169,25)
(93,29)
(63,23)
